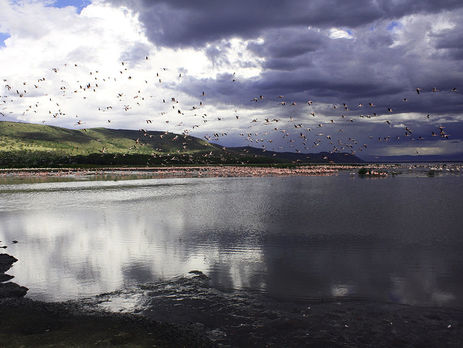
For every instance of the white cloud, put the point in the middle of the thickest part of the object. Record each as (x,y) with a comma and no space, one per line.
(416,30)
(336,33)
(98,39)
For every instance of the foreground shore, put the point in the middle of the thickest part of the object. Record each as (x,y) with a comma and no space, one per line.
(27,323)
(189,312)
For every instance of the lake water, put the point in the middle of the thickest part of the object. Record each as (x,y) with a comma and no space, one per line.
(396,239)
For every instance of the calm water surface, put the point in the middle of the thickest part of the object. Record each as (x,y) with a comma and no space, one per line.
(396,239)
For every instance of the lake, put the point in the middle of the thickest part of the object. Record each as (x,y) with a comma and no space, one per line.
(395,239)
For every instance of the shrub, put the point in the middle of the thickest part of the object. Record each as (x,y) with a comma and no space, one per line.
(363,171)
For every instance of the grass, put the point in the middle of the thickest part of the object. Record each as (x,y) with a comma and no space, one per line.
(38,138)
(34,145)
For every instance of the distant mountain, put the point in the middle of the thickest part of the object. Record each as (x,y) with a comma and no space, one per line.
(34,145)
(290,157)
(458,157)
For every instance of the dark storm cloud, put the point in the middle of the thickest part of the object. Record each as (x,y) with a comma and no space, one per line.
(450,42)
(345,67)
(306,64)
(186,22)
(179,23)
(382,51)
(288,43)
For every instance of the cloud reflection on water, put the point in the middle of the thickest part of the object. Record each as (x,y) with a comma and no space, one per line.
(309,237)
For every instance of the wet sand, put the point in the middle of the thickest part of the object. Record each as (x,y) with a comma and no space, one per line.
(243,318)
(188,312)
(26,323)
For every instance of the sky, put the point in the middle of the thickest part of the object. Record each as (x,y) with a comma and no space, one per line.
(295,75)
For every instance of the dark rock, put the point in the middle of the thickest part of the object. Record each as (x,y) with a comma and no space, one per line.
(6,261)
(198,274)
(12,290)
(5,277)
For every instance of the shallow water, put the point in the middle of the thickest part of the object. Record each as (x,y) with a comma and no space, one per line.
(393,239)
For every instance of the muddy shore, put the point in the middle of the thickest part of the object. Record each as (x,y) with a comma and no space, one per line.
(189,312)
(27,323)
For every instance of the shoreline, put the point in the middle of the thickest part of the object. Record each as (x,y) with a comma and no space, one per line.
(189,312)
(29,323)
(174,172)
(207,171)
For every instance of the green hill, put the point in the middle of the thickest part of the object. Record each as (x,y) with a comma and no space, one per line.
(34,145)
(24,144)
(33,137)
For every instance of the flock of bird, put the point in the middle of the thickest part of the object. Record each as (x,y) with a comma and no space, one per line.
(300,134)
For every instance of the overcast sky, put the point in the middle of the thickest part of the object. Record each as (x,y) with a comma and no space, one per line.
(137,55)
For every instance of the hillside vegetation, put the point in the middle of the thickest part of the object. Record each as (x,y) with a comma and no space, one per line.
(33,145)
(33,137)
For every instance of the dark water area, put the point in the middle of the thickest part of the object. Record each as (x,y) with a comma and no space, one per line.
(395,239)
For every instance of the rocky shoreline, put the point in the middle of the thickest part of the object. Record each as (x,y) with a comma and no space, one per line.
(9,289)
(242,318)
(189,312)
(28,323)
